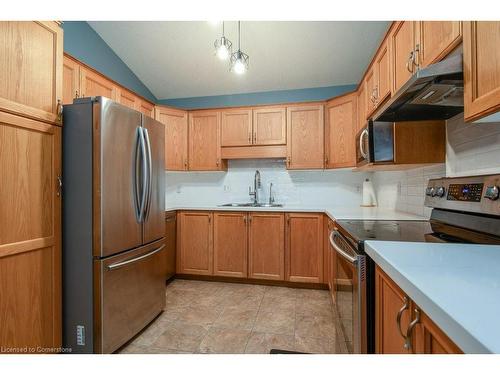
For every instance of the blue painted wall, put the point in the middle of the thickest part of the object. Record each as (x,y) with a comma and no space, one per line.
(257,98)
(83,43)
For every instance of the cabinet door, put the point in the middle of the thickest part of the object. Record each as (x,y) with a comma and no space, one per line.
(269,126)
(390,301)
(361,107)
(93,84)
(340,132)
(146,108)
(30,233)
(195,242)
(236,127)
(71,80)
(304,248)
(127,98)
(481,69)
(428,338)
(402,40)
(176,137)
(370,91)
(305,137)
(266,246)
(31,66)
(204,141)
(382,75)
(230,244)
(437,39)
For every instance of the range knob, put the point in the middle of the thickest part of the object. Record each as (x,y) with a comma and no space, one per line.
(492,192)
(428,191)
(440,191)
(433,192)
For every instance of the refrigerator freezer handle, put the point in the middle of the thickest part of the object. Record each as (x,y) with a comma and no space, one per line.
(142,147)
(149,174)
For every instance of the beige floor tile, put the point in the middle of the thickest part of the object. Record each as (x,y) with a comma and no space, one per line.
(262,343)
(275,321)
(314,345)
(277,291)
(242,299)
(314,326)
(314,307)
(273,303)
(315,294)
(237,317)
(138,349)
(181,336)
(151,332)
(200,314)
(225,340)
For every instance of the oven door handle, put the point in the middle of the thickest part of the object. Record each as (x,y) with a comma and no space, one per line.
(350,258)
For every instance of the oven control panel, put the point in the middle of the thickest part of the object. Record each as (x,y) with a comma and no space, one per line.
(478,194)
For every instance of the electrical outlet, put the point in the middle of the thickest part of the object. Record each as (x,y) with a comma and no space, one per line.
(227,188)
(358,188)
(178,190)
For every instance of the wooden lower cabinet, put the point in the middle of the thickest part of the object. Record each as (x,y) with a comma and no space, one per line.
(230,244)
(397,315)
(195,242)
(304,247)
(266,246)
(30,233)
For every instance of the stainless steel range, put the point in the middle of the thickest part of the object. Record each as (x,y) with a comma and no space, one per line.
(465,210)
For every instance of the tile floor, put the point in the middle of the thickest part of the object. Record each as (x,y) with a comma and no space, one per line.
(215,317)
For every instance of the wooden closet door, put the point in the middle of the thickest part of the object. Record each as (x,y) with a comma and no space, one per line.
(437,39)
(269,126)
(230,244)
(30,233)
(195,240)
(204,141)
(176,137)
(304,248)
(31,55)
(71,80)
(305,138)
(266,246)
(340,131)
(93,84)
(236,127)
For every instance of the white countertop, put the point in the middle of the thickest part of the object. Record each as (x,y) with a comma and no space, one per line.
(456,285)
(335,213)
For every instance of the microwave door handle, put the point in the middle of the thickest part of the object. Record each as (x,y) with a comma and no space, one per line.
(350,258)
(361,143)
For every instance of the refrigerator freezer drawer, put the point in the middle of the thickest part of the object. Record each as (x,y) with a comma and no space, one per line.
(130,291)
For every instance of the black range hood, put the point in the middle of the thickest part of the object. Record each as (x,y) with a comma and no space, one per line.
(433,93)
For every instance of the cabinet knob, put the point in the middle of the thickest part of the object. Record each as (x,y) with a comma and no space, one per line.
(59,110)
(76,94)
(185,164)
(59,185)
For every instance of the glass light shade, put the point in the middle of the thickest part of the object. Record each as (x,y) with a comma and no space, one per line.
(239,62)
(223,47)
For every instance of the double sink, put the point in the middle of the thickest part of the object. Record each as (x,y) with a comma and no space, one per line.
(251,204)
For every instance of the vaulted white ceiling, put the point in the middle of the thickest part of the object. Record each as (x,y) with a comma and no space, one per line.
(176,59)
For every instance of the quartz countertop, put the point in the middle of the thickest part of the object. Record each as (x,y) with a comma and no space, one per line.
(335,213)
(456,285)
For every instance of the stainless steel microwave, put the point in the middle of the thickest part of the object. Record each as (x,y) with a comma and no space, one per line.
(375,143)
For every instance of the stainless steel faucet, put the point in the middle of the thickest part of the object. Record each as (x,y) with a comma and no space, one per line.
(271,197)
(256,187)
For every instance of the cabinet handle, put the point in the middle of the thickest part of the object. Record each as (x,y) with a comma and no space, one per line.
(59,186)
(185,164)
(76,94)
(288,161)
(398,317)
(409,331)
(209,219)
(288,220)
(416,56)
(249,219)
(217,162)
(245,219)
(409,62)
(59,110)
(249,138)
(326,160)
(254,138)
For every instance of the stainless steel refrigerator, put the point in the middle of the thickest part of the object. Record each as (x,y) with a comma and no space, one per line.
(113,224)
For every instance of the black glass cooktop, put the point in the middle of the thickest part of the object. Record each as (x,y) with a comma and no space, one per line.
(387,230)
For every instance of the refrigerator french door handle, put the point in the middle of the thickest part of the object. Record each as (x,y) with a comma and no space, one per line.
(144,190)
(137,167)
(149,174)
(133,260)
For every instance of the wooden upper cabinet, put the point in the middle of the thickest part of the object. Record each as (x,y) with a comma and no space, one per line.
(30,232)
(340,132)
(361,108)
(304,248)
(204,141)
(266,246)
(437,39)
(269,126)
(31,69)
(236,127)
(176,137)
(402,47)
(127,98)
(94,84)
(390,302)
(71,80)
(195,242)
(481,69)
(230,244)
(305,137)
(382,71)
(370,85)
(146,108)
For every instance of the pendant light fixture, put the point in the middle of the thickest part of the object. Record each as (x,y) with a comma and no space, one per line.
(223,46)
(239,60)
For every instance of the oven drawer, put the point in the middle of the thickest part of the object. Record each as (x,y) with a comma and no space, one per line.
(130,291)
